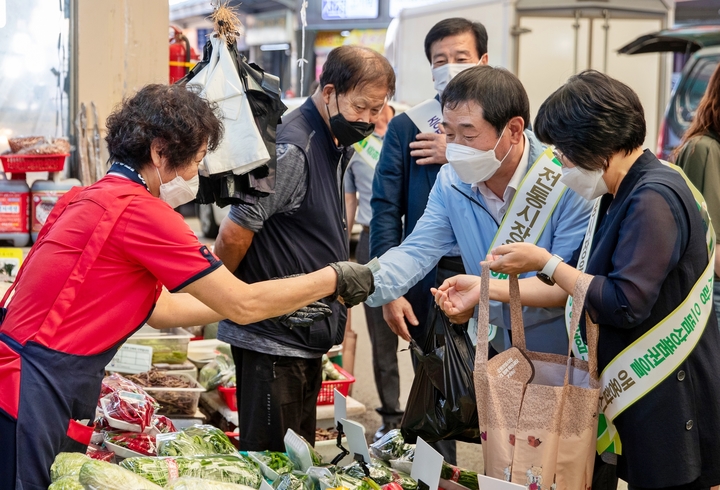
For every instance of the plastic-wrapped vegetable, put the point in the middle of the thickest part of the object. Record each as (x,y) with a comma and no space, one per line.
(329,371)
(66,483)
(466,478)
(186,483)
(198,440)
(115,383)
(405,480)
(67,464)
(380,473)
(216,372)
(223,468)
(290,481)
(280,463)
(163,424)
(390,446)
(96,452)
(99,475)
(139,442)
(129,407)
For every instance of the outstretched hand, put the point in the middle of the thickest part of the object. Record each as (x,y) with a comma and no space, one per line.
(457,297)
(517,258)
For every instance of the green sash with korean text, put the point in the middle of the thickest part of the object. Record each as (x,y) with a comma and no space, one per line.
(427,116)
(532,206)
(369,150)
(657,354)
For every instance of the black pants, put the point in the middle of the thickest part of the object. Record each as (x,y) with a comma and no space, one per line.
(384,344)
(8,448)
(275,394)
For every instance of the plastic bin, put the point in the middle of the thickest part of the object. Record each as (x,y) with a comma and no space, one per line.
(229,396)
(169,346)
(327,391)
(177,401)
(186,368)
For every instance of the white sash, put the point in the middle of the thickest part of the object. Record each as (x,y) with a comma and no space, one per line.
(427,116)
(369,149)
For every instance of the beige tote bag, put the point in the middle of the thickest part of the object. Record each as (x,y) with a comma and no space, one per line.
(538,412)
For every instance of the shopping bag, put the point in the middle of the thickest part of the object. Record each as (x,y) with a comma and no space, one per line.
(441,404)
(539,433)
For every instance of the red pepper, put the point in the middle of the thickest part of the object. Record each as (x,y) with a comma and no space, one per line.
(392,486)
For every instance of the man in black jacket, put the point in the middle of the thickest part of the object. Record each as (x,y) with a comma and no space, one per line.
(299,229)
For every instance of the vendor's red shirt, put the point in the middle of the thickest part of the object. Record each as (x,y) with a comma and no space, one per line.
(150,246)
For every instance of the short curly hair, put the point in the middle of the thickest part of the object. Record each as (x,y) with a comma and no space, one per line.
(175,116)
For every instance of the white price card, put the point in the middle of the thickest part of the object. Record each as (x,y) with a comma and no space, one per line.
(487,483)
(356,439)
(427,465)
(264,485)
(340,407)
(131,359)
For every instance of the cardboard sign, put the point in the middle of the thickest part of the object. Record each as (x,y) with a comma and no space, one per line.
(340,407)
(487,483)
(427,465)
(131,359)
(356,440)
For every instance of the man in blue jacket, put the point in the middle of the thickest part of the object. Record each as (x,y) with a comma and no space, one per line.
(502,185)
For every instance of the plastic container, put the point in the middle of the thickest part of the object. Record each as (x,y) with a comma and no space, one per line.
(229,395)
(15,212)
(187,368)
(327,391)
(34,163)
(177,401)
(169,346)
(44,196)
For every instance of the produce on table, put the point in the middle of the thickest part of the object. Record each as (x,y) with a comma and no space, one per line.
(280,463)
(165,351)
(116,382)
(390,446)
(223,468)
(66,483)
(291,481)
(329,371)
(132,408)
(380,473)
(99,475)
(466,478)
(139,442)
(67,464)
(186,483)
(198,440)
(329,434)
(163,424)
(172,402)
(96,452)
(217,372)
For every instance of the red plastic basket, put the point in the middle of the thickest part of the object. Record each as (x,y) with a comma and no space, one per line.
(327,391)
(228,395)
(33,163)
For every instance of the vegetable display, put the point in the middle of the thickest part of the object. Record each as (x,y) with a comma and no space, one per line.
(326,434)
(198,440)
(99,475)
(134,441)
(129,407)
(229,469)
(96,452)
(172,402)
(329,372)
(466,478)
(217,372)
(186,483)
(116,382)
(290,481)
(164,350)
(67,464)
(390,446)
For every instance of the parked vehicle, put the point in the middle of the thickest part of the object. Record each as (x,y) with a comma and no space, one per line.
(697,54)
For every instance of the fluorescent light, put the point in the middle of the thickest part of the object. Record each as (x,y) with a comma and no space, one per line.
(275,47)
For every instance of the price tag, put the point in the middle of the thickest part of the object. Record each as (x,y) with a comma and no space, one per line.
(340,407)
(264,485)
(357,442)
(131,359)
(487,483)
(427,465)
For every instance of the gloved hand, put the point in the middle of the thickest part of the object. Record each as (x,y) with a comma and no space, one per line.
(355,283)
(305,316)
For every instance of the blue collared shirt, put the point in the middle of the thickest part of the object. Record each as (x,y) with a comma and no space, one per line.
(456,215)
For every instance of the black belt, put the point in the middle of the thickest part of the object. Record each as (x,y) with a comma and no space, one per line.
(454,264)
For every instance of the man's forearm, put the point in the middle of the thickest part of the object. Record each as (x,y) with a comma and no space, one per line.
(232,244)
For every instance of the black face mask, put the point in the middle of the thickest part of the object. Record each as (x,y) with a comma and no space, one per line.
(346,132)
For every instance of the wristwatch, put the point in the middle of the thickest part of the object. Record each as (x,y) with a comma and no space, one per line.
(546,275)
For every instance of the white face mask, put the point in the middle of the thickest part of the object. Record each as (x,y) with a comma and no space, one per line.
(178,191)
(443,74)
(586,183)
(474,165)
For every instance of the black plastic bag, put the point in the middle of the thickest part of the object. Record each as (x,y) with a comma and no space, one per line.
(442,401)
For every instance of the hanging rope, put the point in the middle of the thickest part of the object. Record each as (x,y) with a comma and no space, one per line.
(301,61)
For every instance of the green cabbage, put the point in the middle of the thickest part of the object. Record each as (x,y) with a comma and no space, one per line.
(66,483)
(67,464)
(99,475)
(186,483)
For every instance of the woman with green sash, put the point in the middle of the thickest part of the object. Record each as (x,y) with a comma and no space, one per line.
(650,251)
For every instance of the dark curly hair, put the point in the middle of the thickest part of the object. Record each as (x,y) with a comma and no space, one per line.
(591,118)
(174,116)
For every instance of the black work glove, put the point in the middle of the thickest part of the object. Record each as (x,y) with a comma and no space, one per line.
(305,316)
(355,282)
